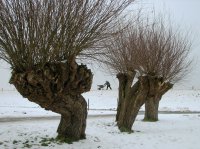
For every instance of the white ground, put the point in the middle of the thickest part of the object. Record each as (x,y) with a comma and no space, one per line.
(173,131)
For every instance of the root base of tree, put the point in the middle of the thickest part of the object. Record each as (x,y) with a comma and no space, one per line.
(69,140)
(150,120)
(125,129)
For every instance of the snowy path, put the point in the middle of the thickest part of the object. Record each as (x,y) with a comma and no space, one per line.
(45,118)
(41,118)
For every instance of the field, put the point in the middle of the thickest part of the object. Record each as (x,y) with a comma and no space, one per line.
(25,125)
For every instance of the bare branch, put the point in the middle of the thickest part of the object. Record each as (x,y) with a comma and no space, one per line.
(34,32)
(150,47)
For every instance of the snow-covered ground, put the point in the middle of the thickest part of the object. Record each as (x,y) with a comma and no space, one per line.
(12,104)
(173,131)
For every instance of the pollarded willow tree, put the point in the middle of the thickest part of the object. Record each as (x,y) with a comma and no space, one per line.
(41,40)
(121,58)
(165,60)
(146,57)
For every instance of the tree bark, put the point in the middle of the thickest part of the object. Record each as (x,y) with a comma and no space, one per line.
(157,89)
(58,87)
(73,124)
(151,109)
(131,98)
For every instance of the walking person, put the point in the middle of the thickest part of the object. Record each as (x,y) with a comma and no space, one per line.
(107,84)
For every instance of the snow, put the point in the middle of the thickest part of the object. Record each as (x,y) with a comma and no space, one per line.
(12,104)
(171,131)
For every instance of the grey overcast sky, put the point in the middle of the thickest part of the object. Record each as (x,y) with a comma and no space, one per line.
(185,13)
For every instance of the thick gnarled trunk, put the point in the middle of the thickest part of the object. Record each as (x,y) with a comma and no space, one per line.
(157,88)
(151,109)
(58,87)
(130,99)
(73,124)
